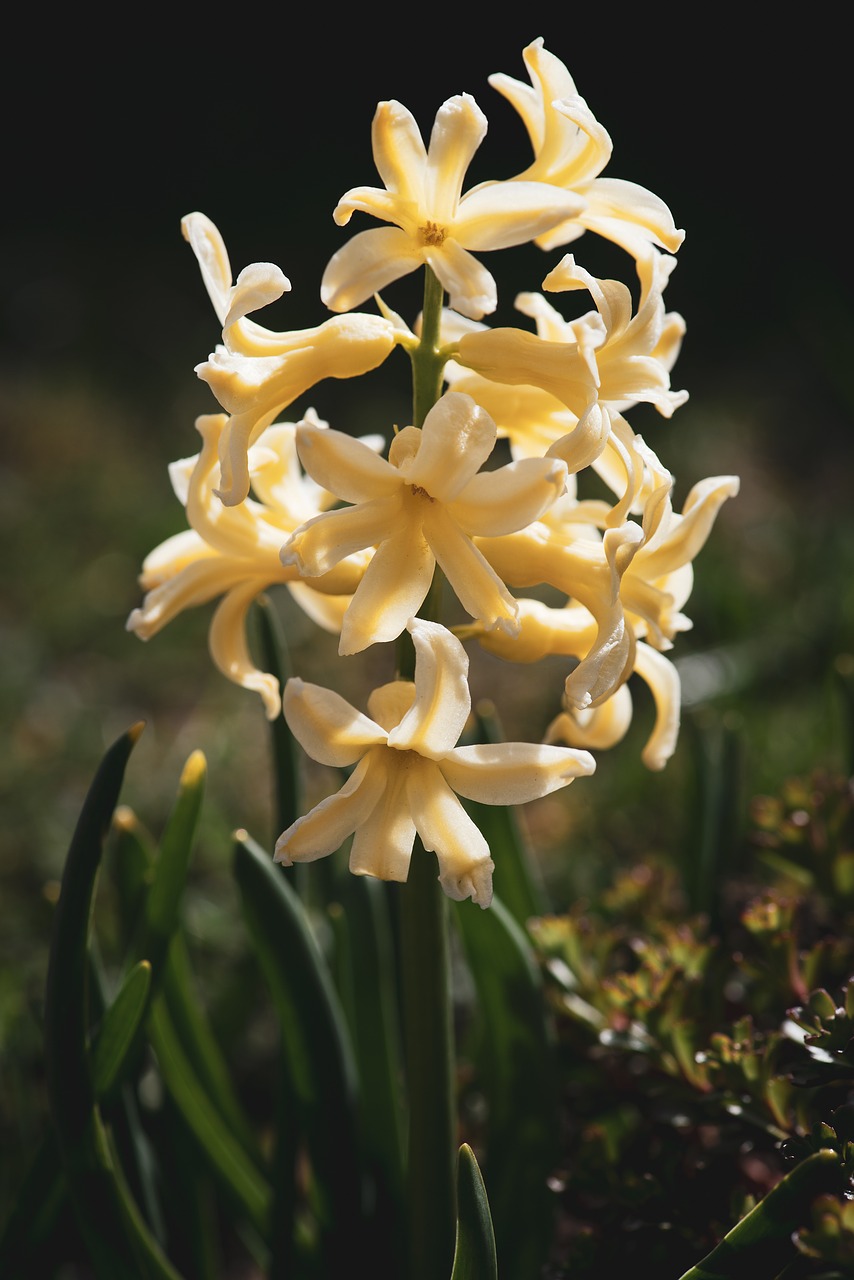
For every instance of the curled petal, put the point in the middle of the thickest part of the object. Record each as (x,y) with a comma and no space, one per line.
(392,591)
(510,497)
(329,823)
(465,865)
(663,679)
(456,439)
(346,467)
(458,130)
(503,214)
(257,286)
(470,287)
(511,773)
(478,587)
(208,246)
(595,728)
(382,845)
(442,702)
(326,726)
(230,651)
(319,544)
(366,264)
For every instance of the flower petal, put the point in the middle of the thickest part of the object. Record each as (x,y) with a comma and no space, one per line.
(327,726)
(329,823)
(456,439)
(511,773)
(319,544)
(382,845)
(471,288)
(510,497)
(477,586)
(344,466)
(504,214)
(230,650)
(465,865)
(392,590)
(366,264)
(458,130)
(442,702)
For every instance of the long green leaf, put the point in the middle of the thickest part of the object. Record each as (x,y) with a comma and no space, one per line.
(475,1257)
(241,1180)
(761,1244)
(119,1027)
(116,1237)
(518,1070)
(318,1055)
(163,903)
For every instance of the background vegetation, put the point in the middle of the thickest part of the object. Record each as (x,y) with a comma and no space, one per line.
(103,316)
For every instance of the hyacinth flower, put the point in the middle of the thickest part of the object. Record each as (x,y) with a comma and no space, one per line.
(409,772)
(424,506)
(434,224)
(571,148)
(233,552)
(256,373)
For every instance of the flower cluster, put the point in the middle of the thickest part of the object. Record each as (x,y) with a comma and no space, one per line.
(360,532)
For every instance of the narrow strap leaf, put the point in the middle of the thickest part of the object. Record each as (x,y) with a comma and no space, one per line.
(475,1256)
(518,1070)
(318,1054)
(116,1237)
(119,1027)
(163,904)
(276,660)
(242,1182)
(761,1243)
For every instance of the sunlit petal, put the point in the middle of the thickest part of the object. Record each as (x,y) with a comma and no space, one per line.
(465,865)
(513,772)
(329,823)
(326,726)
(442,702)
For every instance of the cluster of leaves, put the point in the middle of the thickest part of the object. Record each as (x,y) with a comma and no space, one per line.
(638,1084)
(707,1073)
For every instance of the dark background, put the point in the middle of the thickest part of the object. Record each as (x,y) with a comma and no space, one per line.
(261,119)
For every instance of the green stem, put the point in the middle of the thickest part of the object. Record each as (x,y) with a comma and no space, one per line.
(425,963)
(429,1050)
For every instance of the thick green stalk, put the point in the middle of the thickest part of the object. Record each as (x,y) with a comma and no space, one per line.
(425,963)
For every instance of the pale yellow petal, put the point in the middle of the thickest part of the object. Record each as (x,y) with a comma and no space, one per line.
(329,823)
(477,586)
(442,703)
(319,544)
(366,264)
(510,773)
(345,466)
(327,726)
(595,728)
(663,679)
(392,591)
(509,497)
(458,130)
(456,439)
(465,865)
(382,844)
(230,650)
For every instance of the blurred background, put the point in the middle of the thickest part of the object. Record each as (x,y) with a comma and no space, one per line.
(111,136)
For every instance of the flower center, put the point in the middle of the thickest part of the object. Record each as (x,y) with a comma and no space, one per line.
(431,233)
(418,492)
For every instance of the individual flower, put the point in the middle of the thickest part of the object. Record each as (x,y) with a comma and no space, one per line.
(571,148)
(256,373)
(422,506)
(612,355)
(629,583)
(233,552)
(433,223)
(409,773)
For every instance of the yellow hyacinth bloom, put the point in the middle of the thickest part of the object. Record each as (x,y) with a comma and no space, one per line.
(409,772)
(571,148)
(434,223)
(256,373)
(233,552)
(425,505)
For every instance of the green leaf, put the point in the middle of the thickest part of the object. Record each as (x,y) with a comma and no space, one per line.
(275,659)
(318,1057)
(761,1244)
(475,1256)
(243,1183)
(117,1239)
(118,1029)
(518,1071)
(163,903)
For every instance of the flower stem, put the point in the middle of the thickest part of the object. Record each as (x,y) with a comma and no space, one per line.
(425,962)
(428,1041)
